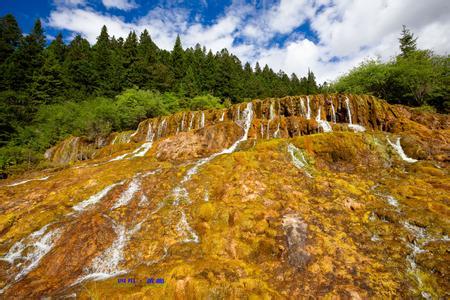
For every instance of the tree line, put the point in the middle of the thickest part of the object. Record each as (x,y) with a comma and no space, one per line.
(33,73)
(415,77)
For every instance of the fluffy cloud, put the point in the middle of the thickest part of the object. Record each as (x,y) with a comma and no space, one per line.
(120,4)
(69,2)
(345,32)
(88,22)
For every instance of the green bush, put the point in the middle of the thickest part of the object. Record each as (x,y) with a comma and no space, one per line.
(91,118)
(16,158)
(205,102)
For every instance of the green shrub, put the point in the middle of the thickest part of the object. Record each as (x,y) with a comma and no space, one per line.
(205,102)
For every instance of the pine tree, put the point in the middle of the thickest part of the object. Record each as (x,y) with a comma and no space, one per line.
(407,42)
(10,35)
(118,71)
(295,85)
(18,69)
(78,69)
(311,87)
(102,62)
(189,85)
(147,49)
(130,50)
(48,86)
(58,48)
(257,69)
(177,60)
(209,73)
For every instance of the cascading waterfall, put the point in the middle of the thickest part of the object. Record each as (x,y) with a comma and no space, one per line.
(322,123)
(160,131)
(28,180)
(302,106)
(133,134)
(95,198)
(277,132)
(333,116)
(31,249)
(180,191)
(128,194)
(107,264)
(349,112)
(222,117)
(308,112)
(182,121)
(298,159)
(271,117)
(191,122)
(143,149)
(354,127)
(202,120)
(398,148)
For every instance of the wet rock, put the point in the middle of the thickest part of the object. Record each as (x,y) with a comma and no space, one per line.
(296,233)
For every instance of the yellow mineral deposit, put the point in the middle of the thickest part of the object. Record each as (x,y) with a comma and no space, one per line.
(259,201)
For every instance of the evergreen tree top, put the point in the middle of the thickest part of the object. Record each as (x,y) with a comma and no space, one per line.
(407,41)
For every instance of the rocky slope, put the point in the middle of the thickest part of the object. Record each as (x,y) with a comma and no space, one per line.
(322,196)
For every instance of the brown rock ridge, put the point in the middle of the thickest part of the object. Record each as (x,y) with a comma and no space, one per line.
(281,118)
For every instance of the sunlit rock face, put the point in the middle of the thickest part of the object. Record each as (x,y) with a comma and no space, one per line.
(260,200)
(203,132)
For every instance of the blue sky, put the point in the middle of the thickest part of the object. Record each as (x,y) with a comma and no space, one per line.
(328,36)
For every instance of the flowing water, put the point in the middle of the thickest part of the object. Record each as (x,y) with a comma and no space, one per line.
(298,159)
(143,149)
(354,127)
(308,112)
(95,198)
(28,180)
(271,117)
(302,105)
(128,194)
(191,122)
(276,134)
(107,264)
(30,250)
(182,121)
(333,116)
(202,120)
(326,127)
(398,148)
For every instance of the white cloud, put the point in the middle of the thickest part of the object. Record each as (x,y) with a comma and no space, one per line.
(347,31)
(69,2)
(120,4)
(88,23)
